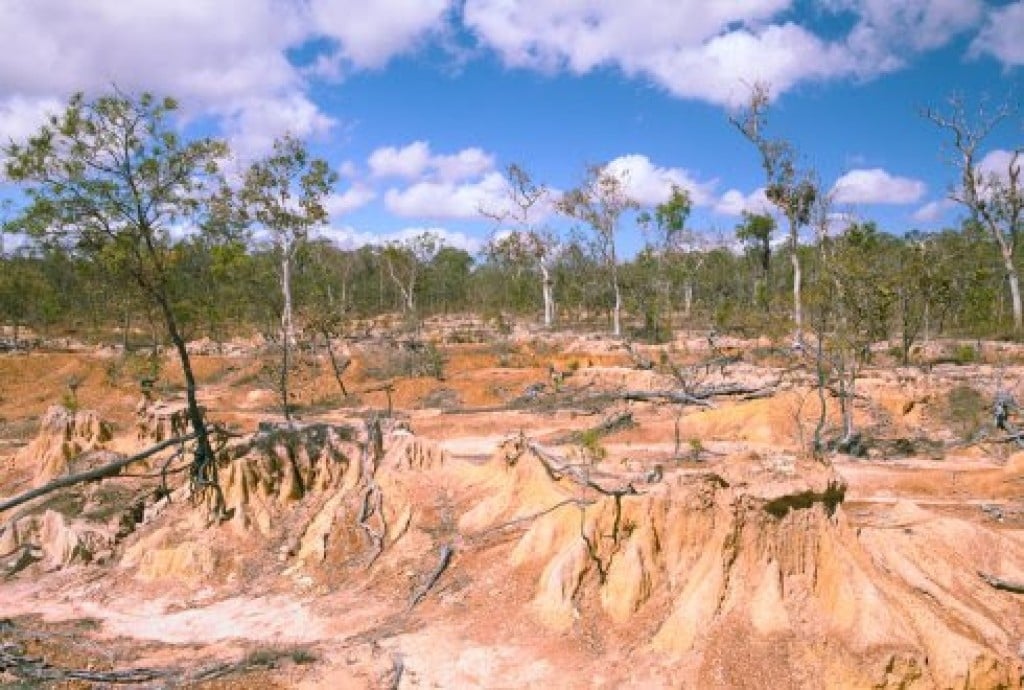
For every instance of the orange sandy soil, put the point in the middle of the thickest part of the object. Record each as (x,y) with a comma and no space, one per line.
(743,564)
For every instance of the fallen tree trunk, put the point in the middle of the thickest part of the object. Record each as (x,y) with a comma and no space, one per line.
(678,397)
(1004,585)
(101,472)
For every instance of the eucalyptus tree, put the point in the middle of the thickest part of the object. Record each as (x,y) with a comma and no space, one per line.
(667,239)
(284,194)
(792,190)
(600,202)
(994,197)
(110,179)
(756,231)
(405,261)
(529,242)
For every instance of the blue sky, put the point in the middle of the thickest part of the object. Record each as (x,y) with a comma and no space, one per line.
(421,103)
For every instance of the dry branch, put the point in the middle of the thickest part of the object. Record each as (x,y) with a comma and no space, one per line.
(447,551)
(557,468)
(101,472)
(1000,583)
(677,397)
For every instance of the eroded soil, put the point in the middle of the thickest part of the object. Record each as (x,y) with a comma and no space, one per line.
(525,520)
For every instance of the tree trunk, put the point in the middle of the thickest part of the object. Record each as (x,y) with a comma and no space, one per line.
(687,298)
(287,329)
(798,313)
(616,315)
(204,467)
(547,288)
(1014,280)
(126,328)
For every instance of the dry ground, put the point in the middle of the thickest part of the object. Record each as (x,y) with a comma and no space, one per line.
(689,546)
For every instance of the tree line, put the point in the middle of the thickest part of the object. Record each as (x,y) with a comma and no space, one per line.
(135,233)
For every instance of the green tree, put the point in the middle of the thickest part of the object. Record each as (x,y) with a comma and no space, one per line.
(109,179)
(756,231)
(666,244)
(600,201)
(791,190)
(284,194)
(528,243)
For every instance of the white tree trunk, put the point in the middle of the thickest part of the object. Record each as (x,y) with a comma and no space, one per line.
(616,319)
(549,299)
(1014,279)
(287,328)
(798,312)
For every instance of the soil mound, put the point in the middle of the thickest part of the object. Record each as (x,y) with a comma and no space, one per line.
(64,434)
(752,573)
(318,496)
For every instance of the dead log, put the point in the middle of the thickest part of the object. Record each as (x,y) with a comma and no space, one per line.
(1001,584)
(101,472)
(609,425)
(447,551)
(557,468)
(677,397)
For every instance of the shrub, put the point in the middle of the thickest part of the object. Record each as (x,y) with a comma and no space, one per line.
(965,411)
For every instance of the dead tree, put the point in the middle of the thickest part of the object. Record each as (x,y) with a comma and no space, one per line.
(994,198)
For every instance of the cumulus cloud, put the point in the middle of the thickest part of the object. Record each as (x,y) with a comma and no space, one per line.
(356,196)
(650,184)
(876,186)
(933,210)
(446,199)
(409,161)
(371,33)
(416,160)
(709,51)
(351,238)
(21,117)
(253,125)
(226,58)
(996,164)
(735,203)
(1000,37)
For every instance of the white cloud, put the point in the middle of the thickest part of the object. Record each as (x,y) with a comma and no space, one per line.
(465,164)
(409,161)
(253,125)
(416,160)
(446,199)
(226,58)
(1001,35)
(371,33)
(876,186)
(735,203)
(354,197)
(21,117)
(996,164)
(650,185)
(710,51)
(933,210)
(351,238)
(885,29)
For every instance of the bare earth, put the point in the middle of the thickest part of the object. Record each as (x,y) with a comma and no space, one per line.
(498,541)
